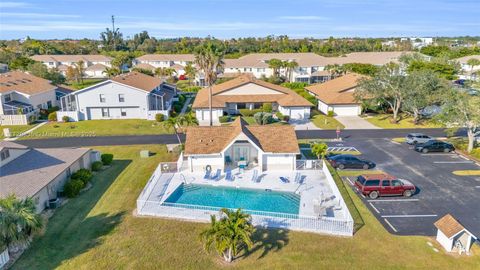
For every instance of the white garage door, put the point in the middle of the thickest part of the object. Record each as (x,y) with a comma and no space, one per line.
(345,110)
(297,113)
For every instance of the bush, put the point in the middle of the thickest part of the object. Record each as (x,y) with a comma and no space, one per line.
(263,118)
(279,115)
(177,107)
(53,109)
(224,119)
(330,113)
(258,117)
(52,117)
(182,99)
(65,119)
(159,117)
(295,85)
(267,107)
(192,89)
(83,174)
(286,118)
(107,159)
(72,188)
(247,112)
(97,166)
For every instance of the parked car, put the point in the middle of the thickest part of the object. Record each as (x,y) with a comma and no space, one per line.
(414,138)
(477,137)
(349,162)
(434,146)
(378,185)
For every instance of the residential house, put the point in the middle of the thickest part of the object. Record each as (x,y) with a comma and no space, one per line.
(39,173)
(132,95)
(247,92)
(22,95)
(468,71)
(175,61)
(337,95)
(94,64)
(453,236)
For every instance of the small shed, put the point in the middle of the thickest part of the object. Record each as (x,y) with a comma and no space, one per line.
(453,236)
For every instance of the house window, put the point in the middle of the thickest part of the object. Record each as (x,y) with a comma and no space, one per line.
(102,98)
(105,112)
(8,97)
(4,154)
(49,104)
(121,97)
(260,70)
(123,112)
(69,172)
(241,106)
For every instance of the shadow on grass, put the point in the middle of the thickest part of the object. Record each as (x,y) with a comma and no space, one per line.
(71,231)
(268,240)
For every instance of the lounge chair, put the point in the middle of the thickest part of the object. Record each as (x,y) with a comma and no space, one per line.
(229,176)
(297,177)
(254,176)
(217,175)
(284,179)
(207,175)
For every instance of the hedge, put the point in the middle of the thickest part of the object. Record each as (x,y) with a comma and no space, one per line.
(224,119)
(97,166)
(65,119)
(84,175)
(52,117)
(107,159)
(247,112)
(72,188)
(159,117)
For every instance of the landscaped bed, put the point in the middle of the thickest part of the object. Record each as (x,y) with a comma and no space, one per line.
(97,230)
(385,121)
(99,128)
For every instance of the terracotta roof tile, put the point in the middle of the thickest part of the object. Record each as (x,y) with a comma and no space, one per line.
(449,225)
(24,83)
(337,91)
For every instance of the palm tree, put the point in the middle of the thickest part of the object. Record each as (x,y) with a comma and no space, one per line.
(320,150)
(473,62)
(172,123)
(190,71)
(18,220)
(229,235)
(164,72)
(209,58)
(187,120)
(111,71)
(275,64)
(336,70)
(80,70)
(290,66)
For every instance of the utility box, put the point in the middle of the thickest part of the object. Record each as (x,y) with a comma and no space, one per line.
(144,154)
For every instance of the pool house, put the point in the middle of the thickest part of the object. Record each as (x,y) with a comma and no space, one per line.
(251,167)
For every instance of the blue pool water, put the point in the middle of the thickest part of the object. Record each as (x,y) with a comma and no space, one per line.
(247,199)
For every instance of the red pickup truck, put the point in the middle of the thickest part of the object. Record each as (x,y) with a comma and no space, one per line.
(376,185)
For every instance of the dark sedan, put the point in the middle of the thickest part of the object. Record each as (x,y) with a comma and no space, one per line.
(435,146)
(350,162)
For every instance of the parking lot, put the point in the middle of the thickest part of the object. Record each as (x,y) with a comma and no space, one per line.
(439,191)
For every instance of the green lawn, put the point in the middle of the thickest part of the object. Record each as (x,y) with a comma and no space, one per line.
(324,122)
(251,121)
(385,121)
(86,83)
(15,130)
(99,128)
(98,231)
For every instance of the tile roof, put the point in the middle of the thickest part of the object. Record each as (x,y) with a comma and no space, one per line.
(337,91)
(29,173)
(24,83)
(138,80)
(96,67)
(166,57)
(286,97)
(374,58)
(212,140)
(11,145)
(144,66)
(71,58)
(463,60)
(449,225)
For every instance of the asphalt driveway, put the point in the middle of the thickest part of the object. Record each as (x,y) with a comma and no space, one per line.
(439,191)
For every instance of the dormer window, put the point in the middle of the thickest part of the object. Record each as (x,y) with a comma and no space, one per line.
(4,154)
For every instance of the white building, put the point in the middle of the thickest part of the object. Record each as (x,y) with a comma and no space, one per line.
(246,92)
(469,72)
(39,173)
(337,95)
(453,236)
(128,96)
(94,64)
(22,96)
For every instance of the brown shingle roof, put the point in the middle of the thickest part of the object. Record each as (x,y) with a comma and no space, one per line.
(71,58)
(145,66)
(96,67)
(24,83)
(286,97)
(138,80)
(337,91)
(166,57)
(449,225)
(212,140)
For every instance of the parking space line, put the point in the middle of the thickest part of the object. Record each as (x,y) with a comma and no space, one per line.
(350,181)
(452,162)
(389,224)
(407,216)
(376,210)
(395,200)
(463,157)
(438,154)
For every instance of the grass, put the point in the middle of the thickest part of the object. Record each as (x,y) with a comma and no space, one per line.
(467,172)
(461,145)
(399,140)
(86,83)
(357,172)
(324,122)
(98,231)
(385,121)
(251,121)
(99,128)
(16,130)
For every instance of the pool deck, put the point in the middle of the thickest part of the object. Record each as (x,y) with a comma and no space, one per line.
(316,196)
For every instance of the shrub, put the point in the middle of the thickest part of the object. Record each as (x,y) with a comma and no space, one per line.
(159,117)
(279,115)
(83,174)
(224,119)
(192,89)
(107,159)
(267,118)
(182,99)
(286,118)
(52,117)
(53,109)
(267,107)
(177,107)
(97,166)
(247,112)
(72,188)
(330,113)
(258,117)
(65,119)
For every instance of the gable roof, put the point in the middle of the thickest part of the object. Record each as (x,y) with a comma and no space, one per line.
(449,226)
(11,145)
(138,80)
(337,91)
(166,57)
(24,83)
(464,60)
(71,58)
(286,97)
(144,66)
(96,67)
(213,140)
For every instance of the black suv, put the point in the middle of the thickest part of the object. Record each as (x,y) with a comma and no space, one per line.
(434,146)
(349,162)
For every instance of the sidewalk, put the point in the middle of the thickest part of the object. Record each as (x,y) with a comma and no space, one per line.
(355,122)
(25,133)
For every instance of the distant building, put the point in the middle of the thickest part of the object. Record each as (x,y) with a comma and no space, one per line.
(94,64)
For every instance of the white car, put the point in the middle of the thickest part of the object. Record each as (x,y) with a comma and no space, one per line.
(414,138)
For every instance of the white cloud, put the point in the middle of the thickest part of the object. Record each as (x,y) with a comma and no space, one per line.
(13,4)
(303,18)
(37,15)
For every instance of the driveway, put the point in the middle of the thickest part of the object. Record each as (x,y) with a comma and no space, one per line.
(355,122)
(439,191)
(303,125)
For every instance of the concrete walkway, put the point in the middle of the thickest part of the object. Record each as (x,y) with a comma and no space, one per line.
(185,106)
(26,132)
(355,122)
(303,125)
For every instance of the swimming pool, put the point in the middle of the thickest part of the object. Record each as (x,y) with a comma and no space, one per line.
(247,199)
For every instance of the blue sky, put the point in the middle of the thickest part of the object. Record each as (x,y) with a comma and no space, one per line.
(240,18)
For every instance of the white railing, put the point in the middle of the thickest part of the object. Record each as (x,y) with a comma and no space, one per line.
(180,162)
(309,164)
(336,191)
(149,186)
(4,258)
(18,119)
(259,218)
